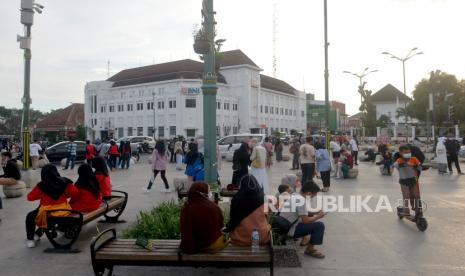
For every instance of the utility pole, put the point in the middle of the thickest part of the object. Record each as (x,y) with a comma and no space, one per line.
(153,107)
(209,89)
(28,8)
(275,19)
(326,74)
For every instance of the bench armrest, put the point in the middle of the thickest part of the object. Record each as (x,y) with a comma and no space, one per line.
(94,248)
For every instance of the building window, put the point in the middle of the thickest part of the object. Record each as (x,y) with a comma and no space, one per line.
(282,111)
(286,112)
(120,132)
(190,132)
(102,109)
(149,105)
(191,103)
(266,109)
(172,130)
(276,110)
(129,131)
(218,105)
(302,113)
(218,131)
(172,104)
(150,131)
(120,108)
(271,110)
(295,112)
(130,107)
(161,90)
(234,106)
(161,132)
(112,108)
(226,106)
(235,130)
(261,109)
(140,106)
(161,105)
(140,131)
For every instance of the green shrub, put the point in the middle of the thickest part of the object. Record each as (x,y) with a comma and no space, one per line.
(162,222)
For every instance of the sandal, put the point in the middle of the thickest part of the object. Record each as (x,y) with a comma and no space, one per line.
(315,254)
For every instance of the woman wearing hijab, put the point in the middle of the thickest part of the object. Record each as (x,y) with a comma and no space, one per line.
(101,173)
(88,197)
(53,192)
(247,213)
(241,162)
(258,158)
(323,165)
(159,163)
(441,155)
(194,163)
(201,222)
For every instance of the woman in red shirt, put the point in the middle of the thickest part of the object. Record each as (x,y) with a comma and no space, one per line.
(90,152)
(113,152)
(53,192)
(101,172)
(88,197)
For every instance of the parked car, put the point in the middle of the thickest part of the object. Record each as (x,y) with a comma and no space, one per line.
(137,140)
(59,151)
(233,142)
(462,152)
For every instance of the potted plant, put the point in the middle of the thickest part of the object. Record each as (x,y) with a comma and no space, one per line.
(202,44)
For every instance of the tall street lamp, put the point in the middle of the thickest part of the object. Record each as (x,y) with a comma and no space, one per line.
(360,76)
(153,107)
(209,89)
(28,9)
(327,136)
(413,52)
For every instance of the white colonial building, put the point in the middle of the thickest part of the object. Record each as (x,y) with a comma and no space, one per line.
(387,100)
(168,98)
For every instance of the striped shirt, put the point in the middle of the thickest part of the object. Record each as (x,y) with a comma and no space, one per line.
(71,147)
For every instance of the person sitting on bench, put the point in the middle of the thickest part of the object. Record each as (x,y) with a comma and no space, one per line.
(89,196)
(247,213)
(53,192)
(11,173)
(201,222)
(101,172)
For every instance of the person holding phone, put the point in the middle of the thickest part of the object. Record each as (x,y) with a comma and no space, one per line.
(303,223)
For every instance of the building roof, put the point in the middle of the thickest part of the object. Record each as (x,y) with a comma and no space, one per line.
(235,57)
(70,116)
(356,115)
(389,94)
(181,69)
(276,85)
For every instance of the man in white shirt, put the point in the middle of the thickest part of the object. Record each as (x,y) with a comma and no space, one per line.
(336,152)
(34,150)
(354,146)
(307,160)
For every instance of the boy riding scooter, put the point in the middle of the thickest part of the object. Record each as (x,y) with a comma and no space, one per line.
(409,169)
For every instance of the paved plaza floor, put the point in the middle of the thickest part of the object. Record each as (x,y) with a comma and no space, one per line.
(354,244)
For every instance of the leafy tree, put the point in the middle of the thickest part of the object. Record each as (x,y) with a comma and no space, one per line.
(80,133)
(383,121)
(447,91)
(367,107)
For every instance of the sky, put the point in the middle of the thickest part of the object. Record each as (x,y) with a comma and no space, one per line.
(72,42)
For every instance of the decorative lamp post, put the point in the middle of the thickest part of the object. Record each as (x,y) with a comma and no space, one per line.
(28,8)
(204,45)
(360,76)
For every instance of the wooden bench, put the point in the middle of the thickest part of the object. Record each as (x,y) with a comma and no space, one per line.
(107,251)
(70,226)
(223,193)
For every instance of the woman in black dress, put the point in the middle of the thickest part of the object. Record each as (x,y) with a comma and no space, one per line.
(241,162)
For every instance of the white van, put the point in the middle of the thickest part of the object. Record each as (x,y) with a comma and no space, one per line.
(231,143)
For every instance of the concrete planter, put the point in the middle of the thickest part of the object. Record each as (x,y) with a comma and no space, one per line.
(17,190)
(353,173)
(286,256)
(286,157)
(180,184)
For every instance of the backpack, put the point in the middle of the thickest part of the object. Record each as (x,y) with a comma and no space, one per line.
(281,225)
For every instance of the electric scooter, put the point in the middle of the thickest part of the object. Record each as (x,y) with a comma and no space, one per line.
(419,220)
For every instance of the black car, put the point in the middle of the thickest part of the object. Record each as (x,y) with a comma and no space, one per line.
(58,151)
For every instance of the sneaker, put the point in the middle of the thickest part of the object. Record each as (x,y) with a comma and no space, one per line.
(30,244)
(146,190)
(36,238)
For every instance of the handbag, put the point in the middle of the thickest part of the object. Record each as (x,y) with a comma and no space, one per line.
(281,225)
(256,162)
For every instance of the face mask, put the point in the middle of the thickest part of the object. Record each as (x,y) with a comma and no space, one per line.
(407,155)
